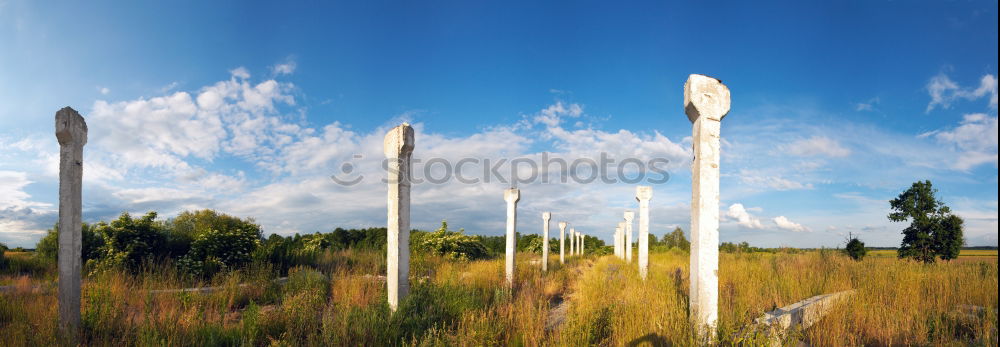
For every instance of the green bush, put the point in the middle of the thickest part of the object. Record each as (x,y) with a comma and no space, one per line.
(452,244)
(130,242)
(48,246)
(216,250)
(855,249)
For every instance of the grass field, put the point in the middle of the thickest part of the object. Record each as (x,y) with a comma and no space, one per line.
(341,301)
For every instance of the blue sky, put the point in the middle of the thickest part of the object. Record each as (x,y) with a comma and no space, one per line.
(249,108)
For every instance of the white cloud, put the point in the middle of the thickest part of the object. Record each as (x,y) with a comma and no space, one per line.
(759,179)
(286,68)
(975,140)
(943,91)
(103,90)
(784,223)
(867,105)
(743,218)
(817,146)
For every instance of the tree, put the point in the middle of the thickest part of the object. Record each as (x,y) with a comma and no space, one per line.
(933,231)
(676,239)
(48,246)
(185,228)
(855,248)
(216,250)
(453,244)
(129,242)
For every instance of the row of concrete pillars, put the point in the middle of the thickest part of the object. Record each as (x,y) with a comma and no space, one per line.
(706,102)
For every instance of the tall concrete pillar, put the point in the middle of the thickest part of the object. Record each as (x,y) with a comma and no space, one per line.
(629,215)
(546,216)
(398,149)
(511,196)
(706,102)
(71,132)
(562,242)
(572,241)
(580,248)
(619,250)
(643,194)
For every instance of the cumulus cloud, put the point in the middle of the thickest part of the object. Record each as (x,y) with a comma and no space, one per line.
(817,146)
(785,224)
(743,218)
(943,91)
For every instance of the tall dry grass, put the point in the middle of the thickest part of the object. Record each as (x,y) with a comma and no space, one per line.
(340,300)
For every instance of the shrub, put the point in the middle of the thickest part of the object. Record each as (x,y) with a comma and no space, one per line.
(188,225)
(855,249)
(453,244)
(48,246)
(129,242)
(217,250)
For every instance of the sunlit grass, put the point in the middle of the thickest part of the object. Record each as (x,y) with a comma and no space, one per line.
(340,300)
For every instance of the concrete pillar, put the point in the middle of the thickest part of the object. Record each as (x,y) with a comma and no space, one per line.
(706,102)
(643,194)
(562,242)
(546,216)
(398,149)
(580,249)
(572,241)
(511,196)
(577,240)
(71,132)
(629,215)
(618,241)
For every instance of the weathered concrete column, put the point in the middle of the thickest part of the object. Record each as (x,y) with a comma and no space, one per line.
(629,215)
(511,196)
(619,240)
(572,241)
(643,194)
(71,132)
(562,242)
(706,102)
(546,217)
(579,245)
(398,148)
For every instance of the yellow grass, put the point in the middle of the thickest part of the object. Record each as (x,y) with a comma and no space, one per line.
(467,303)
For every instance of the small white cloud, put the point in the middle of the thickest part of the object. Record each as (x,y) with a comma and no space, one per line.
(867,105)
(758,179)
(553,115)
(943,91)
(817,146)
(240,72)
(286,68)
(784,223)
(103,90)
(742,217)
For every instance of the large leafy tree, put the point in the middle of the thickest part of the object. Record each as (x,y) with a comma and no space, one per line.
(933,231)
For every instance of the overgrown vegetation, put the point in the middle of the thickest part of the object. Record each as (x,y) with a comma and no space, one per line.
(334,293)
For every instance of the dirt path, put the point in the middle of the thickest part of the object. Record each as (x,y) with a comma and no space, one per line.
(560,303)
